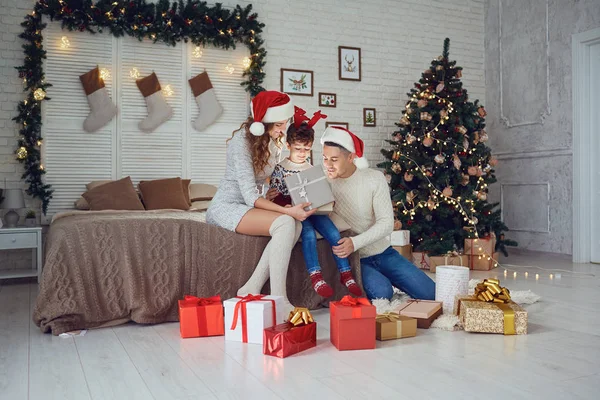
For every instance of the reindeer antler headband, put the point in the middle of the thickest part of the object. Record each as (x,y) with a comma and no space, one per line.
(300,117)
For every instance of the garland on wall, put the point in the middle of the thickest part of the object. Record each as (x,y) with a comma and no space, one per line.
(164,22)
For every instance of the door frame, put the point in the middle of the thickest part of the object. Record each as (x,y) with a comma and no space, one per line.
(582,139)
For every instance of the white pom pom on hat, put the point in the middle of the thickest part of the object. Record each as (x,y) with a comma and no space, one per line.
(349,141)
(267,107)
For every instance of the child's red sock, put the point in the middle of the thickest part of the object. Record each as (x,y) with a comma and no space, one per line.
(347,279)
(319,284)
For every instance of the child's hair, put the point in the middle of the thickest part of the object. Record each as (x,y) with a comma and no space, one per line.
(303,134)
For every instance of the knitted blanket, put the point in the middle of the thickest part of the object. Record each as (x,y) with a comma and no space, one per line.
(107,268)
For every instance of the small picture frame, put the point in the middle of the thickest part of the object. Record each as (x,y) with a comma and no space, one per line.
(297,82)
(349,63)
(327,100)
(341,124)
(369,117)
(310,158)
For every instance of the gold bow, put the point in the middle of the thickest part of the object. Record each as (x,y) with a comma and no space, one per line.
(490,291)
(300,316)
(390,316)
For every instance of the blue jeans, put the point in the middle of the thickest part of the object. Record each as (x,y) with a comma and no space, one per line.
(327,229)
(382,271)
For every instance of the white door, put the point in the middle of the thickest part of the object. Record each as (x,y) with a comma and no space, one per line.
(595,150)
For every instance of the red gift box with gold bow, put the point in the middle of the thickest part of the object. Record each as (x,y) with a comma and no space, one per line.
(296,335)
(352,323)
(201,316)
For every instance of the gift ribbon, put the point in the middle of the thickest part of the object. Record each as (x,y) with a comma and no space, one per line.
(389,317)
(490,291)
(302,183)
(355,303)
(242,305)
(424,261)
(300,316)
(472,252)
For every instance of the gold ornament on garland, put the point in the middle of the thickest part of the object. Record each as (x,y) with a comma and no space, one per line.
(39,94)
(22,153)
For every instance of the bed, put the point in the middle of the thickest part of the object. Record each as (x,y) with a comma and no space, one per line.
(104,268)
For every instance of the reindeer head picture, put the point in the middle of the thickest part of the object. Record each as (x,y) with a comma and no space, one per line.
(349,63)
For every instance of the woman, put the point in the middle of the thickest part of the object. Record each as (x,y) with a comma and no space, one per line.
(252,153)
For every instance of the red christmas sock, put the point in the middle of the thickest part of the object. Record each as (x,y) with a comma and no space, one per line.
(319,284)
(348,279)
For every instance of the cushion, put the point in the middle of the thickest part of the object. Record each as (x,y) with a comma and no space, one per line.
(202,191)
(163,194)
(186,190)
(201,205)
(94,184)
(115,195)
(82,204)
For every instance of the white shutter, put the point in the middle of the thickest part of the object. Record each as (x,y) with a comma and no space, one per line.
(73,157)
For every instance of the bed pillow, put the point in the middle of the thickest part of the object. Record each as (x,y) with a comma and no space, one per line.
(200,205)
(115,195)
(163,194)
(202,192)
(186,191)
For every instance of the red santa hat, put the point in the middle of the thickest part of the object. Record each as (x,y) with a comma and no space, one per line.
(349,141)
(267,107)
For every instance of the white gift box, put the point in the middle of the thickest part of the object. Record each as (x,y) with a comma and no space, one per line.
(259,315)
(400,238)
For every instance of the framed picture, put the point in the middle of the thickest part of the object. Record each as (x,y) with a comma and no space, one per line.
(310,158)
(349,63)
(327,100)
(369,117)
(298,82)
(342,124)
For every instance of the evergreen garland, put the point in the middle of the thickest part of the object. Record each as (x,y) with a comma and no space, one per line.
(165,22)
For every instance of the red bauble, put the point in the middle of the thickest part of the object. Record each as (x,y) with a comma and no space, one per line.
(81,28)
(410,222)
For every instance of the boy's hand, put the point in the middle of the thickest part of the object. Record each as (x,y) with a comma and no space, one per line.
(344,248)
(271,194)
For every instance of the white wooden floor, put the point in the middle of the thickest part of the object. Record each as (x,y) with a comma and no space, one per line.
(559,359)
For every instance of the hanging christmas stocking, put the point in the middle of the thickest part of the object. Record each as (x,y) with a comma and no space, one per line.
(102,109)
(210,109)
(159,111)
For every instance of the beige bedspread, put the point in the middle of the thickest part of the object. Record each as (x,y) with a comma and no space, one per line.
(105,268)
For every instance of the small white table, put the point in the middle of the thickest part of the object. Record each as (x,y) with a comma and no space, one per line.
(23,238)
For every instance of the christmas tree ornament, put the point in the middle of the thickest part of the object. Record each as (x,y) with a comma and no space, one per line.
(465,180)
(482,196)
(397,138)
(447,191)
(206,99)
(39,94)
(439,159)
(396,168)
(466,143)
(481,111)
(396,156)
(459,73)
(429,171)
(410,139)
(159,111)
(493,161)
(397,225)
(444,114)
(102,109)
(461,129)
(439,68)
(475,137)
(425,116)
(428,217)
(404,121)
(428,141)
(472,170)
(456,161)
(408,177)
(483,136)
(479,171)
(439,87)
(430,204)
(487,169)
(388,178)
(410,197)
(422,103)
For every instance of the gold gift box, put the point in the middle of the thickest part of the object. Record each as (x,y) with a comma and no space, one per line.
(405,251)
(489,317)
(394,326)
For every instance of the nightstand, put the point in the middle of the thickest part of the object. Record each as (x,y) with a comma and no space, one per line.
(23,238)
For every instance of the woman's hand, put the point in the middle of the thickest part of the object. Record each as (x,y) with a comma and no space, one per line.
(297,212)
(271,194)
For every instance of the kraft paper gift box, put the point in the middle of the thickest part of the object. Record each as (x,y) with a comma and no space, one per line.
(458,260)
(352,323)
(420,259)
(199,317)
(424,311)
(405,251)
(395,326)
(311,186)
(483,264)
(294,336)
(400,238)
(247,317)
(484,247)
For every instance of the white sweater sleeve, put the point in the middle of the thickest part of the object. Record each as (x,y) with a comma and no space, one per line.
(243,169)
(384,215)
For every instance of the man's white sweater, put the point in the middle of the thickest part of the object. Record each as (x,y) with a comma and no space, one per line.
(363,201)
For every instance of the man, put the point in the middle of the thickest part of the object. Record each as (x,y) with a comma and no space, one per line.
(362,199)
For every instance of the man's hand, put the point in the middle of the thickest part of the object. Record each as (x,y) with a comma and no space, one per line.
(271,194)
(344,248)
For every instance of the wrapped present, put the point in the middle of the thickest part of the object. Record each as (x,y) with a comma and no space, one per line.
(425,311)
(395,326)
(200,316)
(247,317)
(352,323)
(310,186)
(490,310)
(448,259)
(405,251)
(482,263)
(476,247)
(420,259)
(400,238)
(294,336)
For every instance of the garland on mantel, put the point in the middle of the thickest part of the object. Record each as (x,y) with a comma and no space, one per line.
(165,22)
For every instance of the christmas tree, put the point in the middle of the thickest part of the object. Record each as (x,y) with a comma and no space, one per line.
(438,166)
